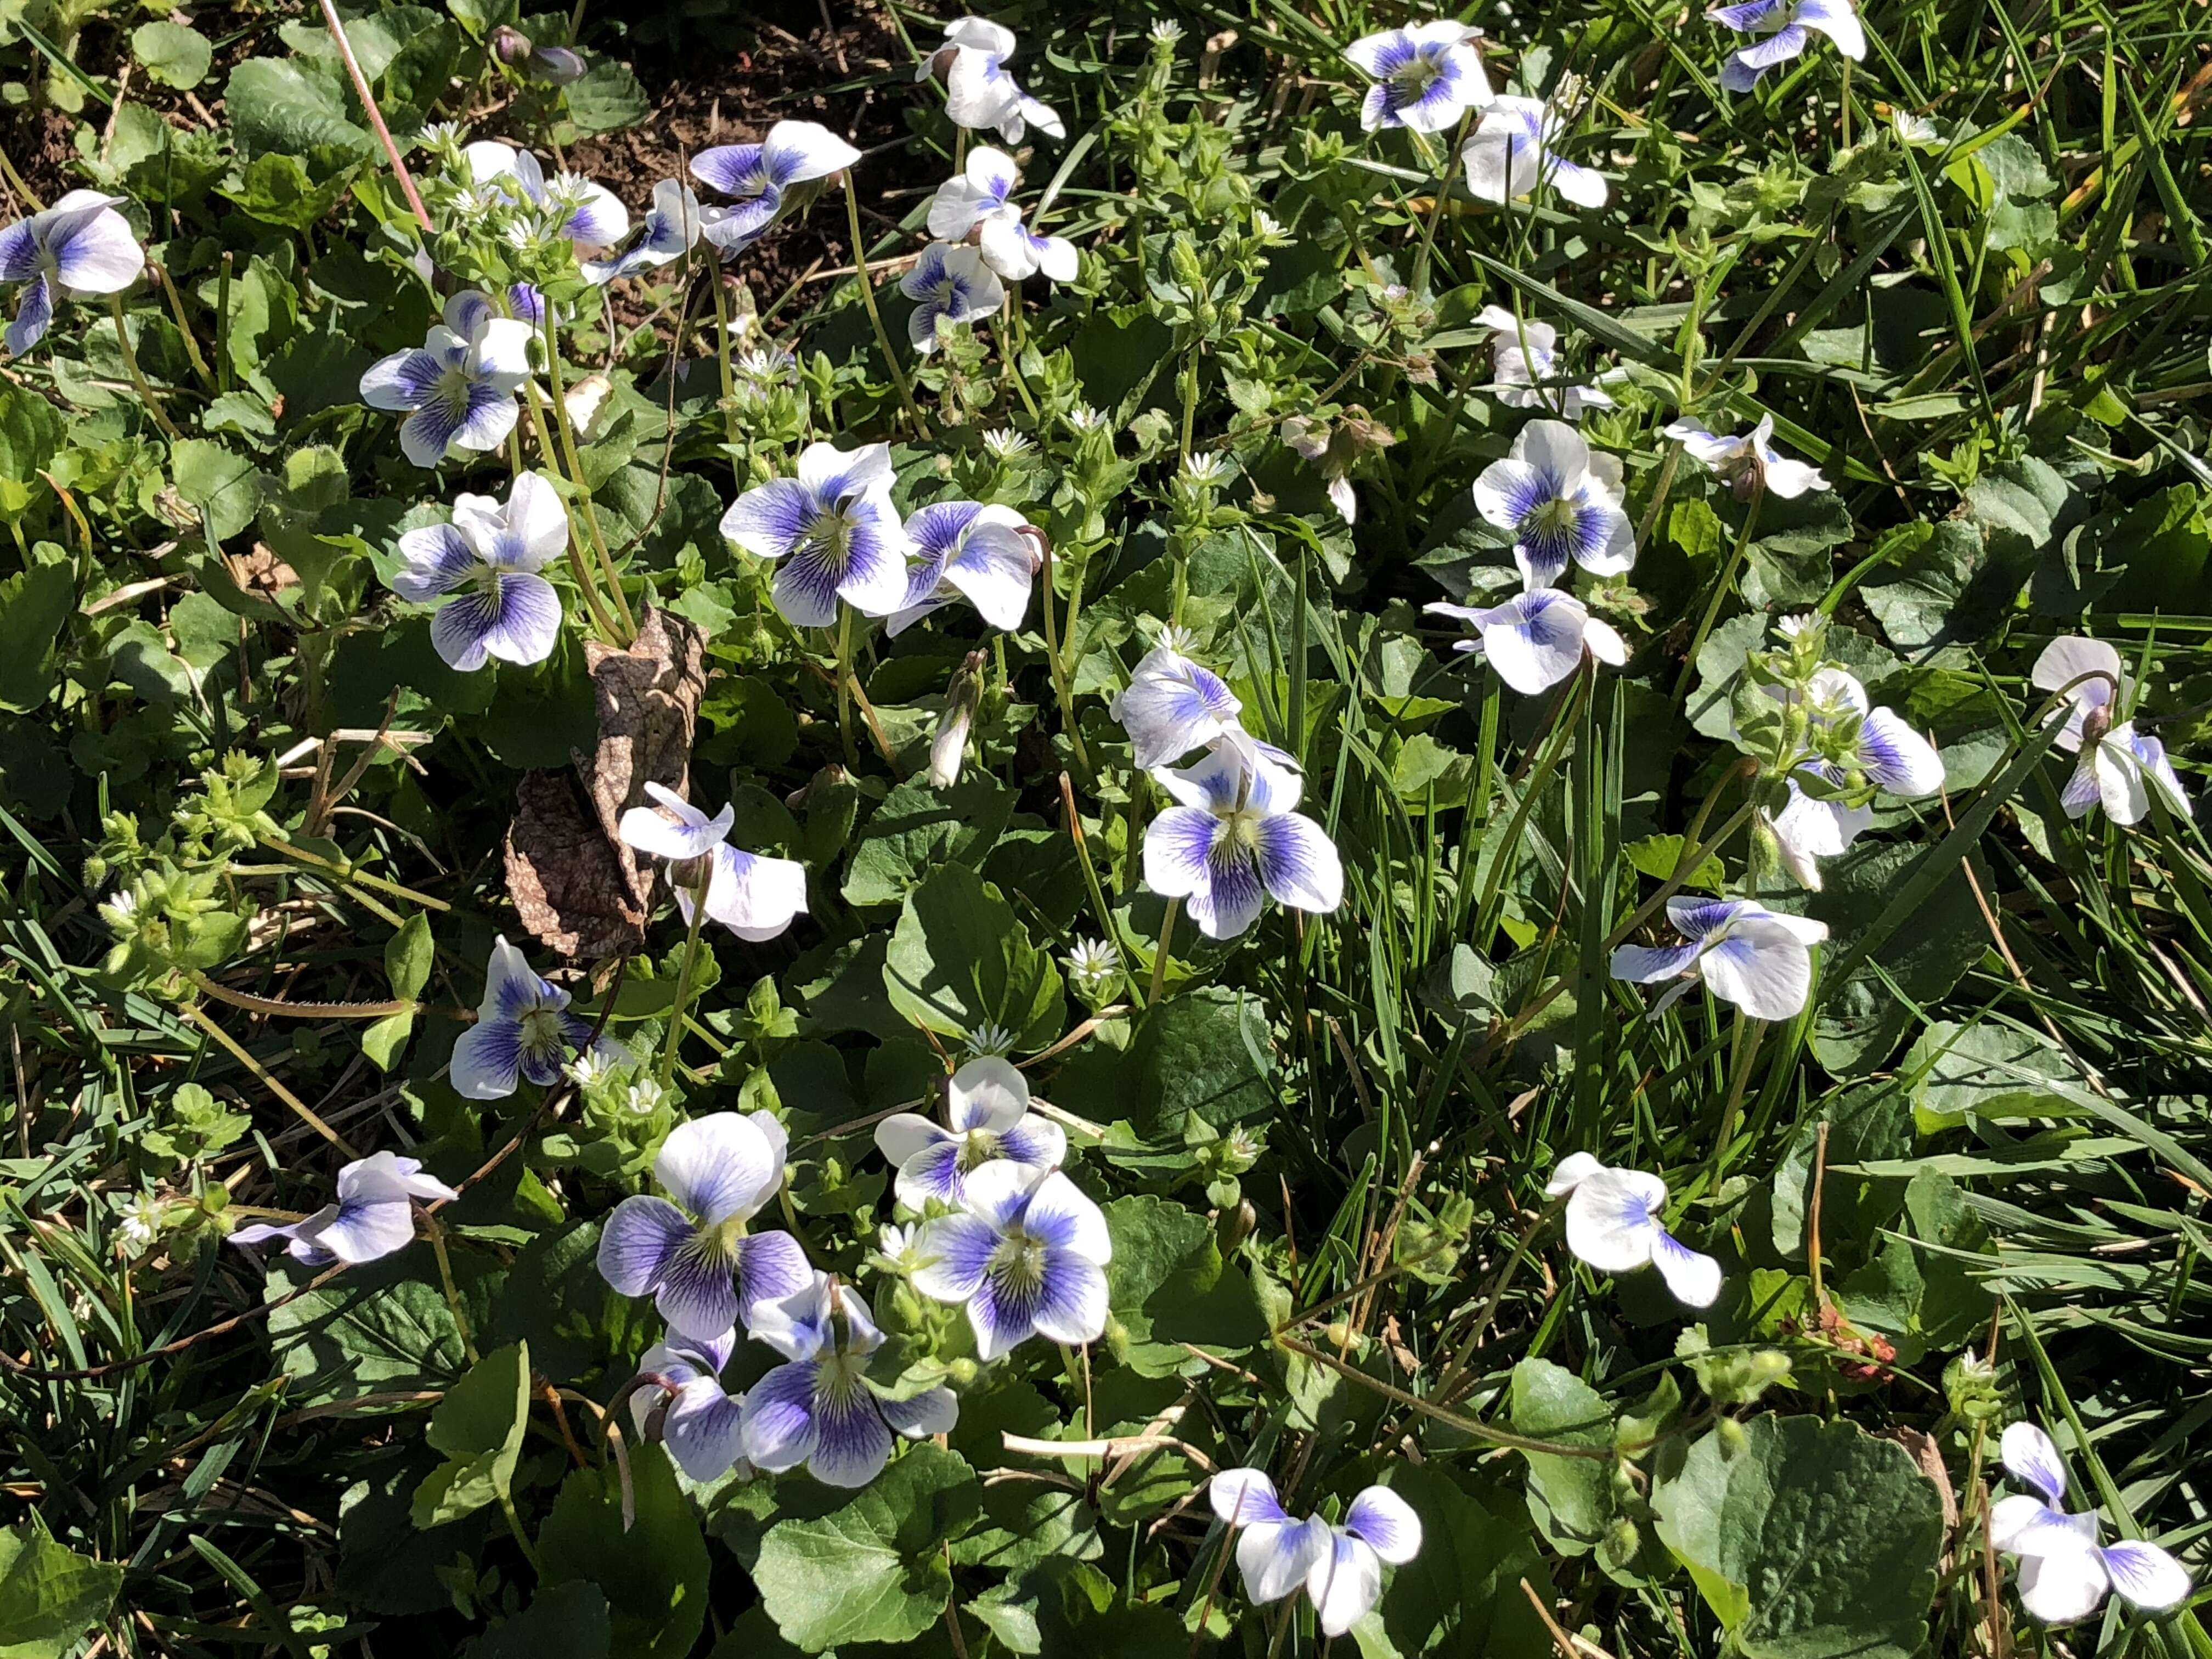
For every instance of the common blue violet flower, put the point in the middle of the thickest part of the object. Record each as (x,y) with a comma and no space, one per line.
(81,244)
(1758,959)
(757,175)
(979,204)
(1882,749)
(971,552)
(979,92)
(374,1214)
(753,895)
(1524,357)
(457,388)
(817,1408)
(1515,147)
(835,530)
(1789,26)
(1341,1567)
(1028,1257)
(954,285)
(523,1029)
(700,1420)
(2063,1572)
(489,558)
(1171,705)
(670,229)
(986,1108)
(1748,461)
(1535,639)
(694,1256)
(1562,502)
(587,213)
(2117,764)
(1425,77)
(1613,1225)
(1233,840)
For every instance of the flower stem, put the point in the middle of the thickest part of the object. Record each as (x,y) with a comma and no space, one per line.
(1167,950)
(737,443)
(1721,590)
(667,1070)
(587,584)
(437,1235)
(244,1057)
(875,317)
(561,424)
(138,376)
(254,1004)
(1420,282)
(845,682)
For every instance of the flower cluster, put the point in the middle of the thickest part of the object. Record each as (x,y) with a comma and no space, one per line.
(1339,1566)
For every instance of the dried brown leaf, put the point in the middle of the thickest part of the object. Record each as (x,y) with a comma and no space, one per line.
(648,702)
(570,885)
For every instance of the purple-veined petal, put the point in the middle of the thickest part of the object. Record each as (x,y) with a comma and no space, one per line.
(1898,758)
(1750,15)
(1298,863)
(796,152)
(402,381)
(988,1092)
(1179,851)
(34,315)
(522,618)
(1764,970)
(1063,1217)
(368,1229)
(1381,54)
(1779,47)
(697,1293)
(1508,490)
(873,581)
(805,589)
(2150,754)
(1276,1557)
(1695,1279)
(2028,1526)
(770,1265)
(932,1172)
(778,1429)
(993,568)
(1244,1498)
(1388,1524)
(1646,964)
(1738,76)
(2030,1455)
(19,252)
(678,831)
(1583,186)
(2146,1575)
(933,1411)
(733,169)
(771,520)
(637,1242)
(1171,706)
(1036,1142)
(1002,1313)
(438,560)
(852,1441)
(703,1429)
(487,1059)
(91,245)
(1610,1222)
(955,1251)
(1542,642)
(1231,896)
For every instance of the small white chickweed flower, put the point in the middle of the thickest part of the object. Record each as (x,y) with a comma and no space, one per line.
(990,1038)
(1206,470)
(643,1097)
(1004,443)
(142,1224)
(1090,960)
(1166,32)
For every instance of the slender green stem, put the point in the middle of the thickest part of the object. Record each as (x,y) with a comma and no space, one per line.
(1743,1051)
(1420,283)
(437,1235)
(1166,949)
(736,441)
(845,682)
(602,622)
(1562,728)
(591,514)
(1720,591)
(683,985)
(137,375)
(876,317)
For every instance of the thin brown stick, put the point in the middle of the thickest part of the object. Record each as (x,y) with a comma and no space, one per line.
(376,116)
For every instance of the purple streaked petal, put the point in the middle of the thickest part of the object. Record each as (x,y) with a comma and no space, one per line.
(1245,1497)
(1778,48)
(936,529)
(1695,918)
(933,1411)
(638,1242)
(1695,1279)
(94,252)
(1179,850)
(733,169)
(874,578)
(19,252)
(698,1294)
(778,1431)
(1896,757)
(1003,1312)
(1060,1214)
(488,1059)
(403,381)
(702,1430)
(1750,15)
(1298,863)
(1386,1523)
(852,1441)
(439,559)
(1037,1142)
(367,1230)
(796,152)
(770,1265)
(34,314)
(2032,1456)
(2146,1575)
(1070,1301)
(934,1172)
(805,586)
(718,1167)
(771,519)
(1643,964)
(955,1251)
(1231,896)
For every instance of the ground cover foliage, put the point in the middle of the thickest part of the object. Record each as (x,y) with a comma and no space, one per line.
(351,703)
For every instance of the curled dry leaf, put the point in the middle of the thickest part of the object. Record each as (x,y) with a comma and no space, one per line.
(576,886)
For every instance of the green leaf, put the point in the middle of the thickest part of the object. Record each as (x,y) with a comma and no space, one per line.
(1461,1597)
(1206,1054)
(479,1427)
(960,959)
(873,1571)
(1964,1071)
(50,1596)
(654,1573)
(1812,1540)
(278,189)
(379,1327)
(607,97)
(918,829)
(222,485)
(407,956)
(174,54)
(1570,1498)
(33,605)
(286,104)
(1862,1019)
(31,432)
(566,1621)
